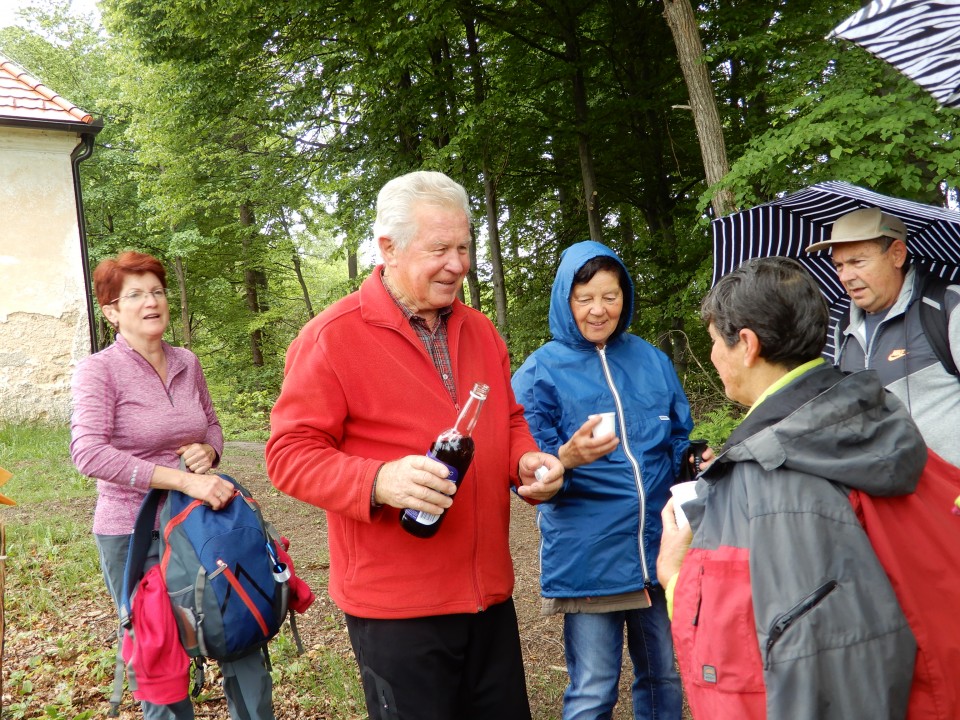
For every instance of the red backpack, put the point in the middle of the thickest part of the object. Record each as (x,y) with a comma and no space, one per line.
(917,539)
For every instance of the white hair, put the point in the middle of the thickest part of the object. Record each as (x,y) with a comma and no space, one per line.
(397,199)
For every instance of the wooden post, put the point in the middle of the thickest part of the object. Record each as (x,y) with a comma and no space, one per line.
(3,588)
(4,476)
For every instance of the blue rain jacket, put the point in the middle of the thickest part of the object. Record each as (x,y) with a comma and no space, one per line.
(600,534)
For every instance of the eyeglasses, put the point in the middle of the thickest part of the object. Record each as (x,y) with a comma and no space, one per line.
(139,296)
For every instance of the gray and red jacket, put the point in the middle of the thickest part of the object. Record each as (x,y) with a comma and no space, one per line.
(782,609)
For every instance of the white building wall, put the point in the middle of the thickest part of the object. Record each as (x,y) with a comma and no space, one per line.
(43,318)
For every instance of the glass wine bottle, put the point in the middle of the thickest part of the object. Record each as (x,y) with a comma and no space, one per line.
(454,448)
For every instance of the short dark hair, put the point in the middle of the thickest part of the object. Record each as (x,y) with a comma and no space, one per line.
(610,264)
(777,299)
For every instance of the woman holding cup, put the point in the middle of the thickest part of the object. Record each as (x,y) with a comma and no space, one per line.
(600,533)
(778,592)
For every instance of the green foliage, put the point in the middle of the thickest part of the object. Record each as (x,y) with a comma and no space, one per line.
(246,415)
(300,101)
(45,557)
(246,141)
(715,427)
(828,110)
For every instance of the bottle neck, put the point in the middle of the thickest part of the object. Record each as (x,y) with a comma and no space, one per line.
(468,415)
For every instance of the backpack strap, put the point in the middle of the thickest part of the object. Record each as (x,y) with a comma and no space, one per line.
(199,675)
(839,338)
(935,318)
(119,673)
(292,615)
(138,549)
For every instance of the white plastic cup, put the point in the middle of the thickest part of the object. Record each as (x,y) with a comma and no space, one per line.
(682,492)
(606,426)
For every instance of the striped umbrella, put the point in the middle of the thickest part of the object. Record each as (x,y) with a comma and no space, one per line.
(789,224)
(920,38)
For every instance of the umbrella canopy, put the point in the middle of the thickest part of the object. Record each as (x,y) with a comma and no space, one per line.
(789,224)
(921,38)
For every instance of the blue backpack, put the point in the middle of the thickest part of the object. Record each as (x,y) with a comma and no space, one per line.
(228,589)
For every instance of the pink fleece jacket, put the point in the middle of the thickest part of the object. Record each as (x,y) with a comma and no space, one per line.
(126,421)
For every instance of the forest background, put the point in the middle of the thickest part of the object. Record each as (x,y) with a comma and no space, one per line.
(244,143)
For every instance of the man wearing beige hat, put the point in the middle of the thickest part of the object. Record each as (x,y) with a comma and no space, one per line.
(885,332)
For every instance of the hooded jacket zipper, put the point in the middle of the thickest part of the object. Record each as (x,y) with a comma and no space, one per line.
(782,622)
(637,477)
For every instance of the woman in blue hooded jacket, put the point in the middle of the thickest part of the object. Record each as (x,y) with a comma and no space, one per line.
(600,534)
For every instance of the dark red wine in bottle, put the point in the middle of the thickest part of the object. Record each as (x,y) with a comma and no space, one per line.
(454,448)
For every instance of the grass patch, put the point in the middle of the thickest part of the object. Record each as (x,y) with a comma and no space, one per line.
(324,680)
(39,458)
(52,552)
(52,570)
(47,560)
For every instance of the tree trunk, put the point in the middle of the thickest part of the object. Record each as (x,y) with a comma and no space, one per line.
(181,273)
(303,284)
(496,252)
(489,189)
(251,279)
(473,282)
(104,331)
(352,268)
(581,114)
(703,103)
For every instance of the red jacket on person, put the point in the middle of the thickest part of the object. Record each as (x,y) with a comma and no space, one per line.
(359,390)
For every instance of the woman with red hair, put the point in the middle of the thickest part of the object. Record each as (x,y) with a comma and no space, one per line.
(143,418)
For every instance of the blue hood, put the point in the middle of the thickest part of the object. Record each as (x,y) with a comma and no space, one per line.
(562,325)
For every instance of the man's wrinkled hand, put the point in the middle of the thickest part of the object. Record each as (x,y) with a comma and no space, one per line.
(416,482)
(547,484)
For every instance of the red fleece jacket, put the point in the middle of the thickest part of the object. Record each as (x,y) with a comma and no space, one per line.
(360,390)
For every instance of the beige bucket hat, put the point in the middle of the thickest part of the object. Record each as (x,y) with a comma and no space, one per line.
(865,224)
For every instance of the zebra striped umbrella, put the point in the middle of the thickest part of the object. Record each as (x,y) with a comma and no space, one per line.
(789,224)
(921,38)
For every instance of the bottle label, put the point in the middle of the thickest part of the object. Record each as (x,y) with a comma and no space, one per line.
(425,518)
(454,475)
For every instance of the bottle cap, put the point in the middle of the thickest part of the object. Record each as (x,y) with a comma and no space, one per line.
(540,473)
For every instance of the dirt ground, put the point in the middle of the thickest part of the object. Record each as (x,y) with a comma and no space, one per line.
(322,625)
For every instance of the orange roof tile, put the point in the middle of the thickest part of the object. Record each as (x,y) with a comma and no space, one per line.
(23,97)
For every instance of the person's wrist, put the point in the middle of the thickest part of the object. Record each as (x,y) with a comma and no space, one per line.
(373,490)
